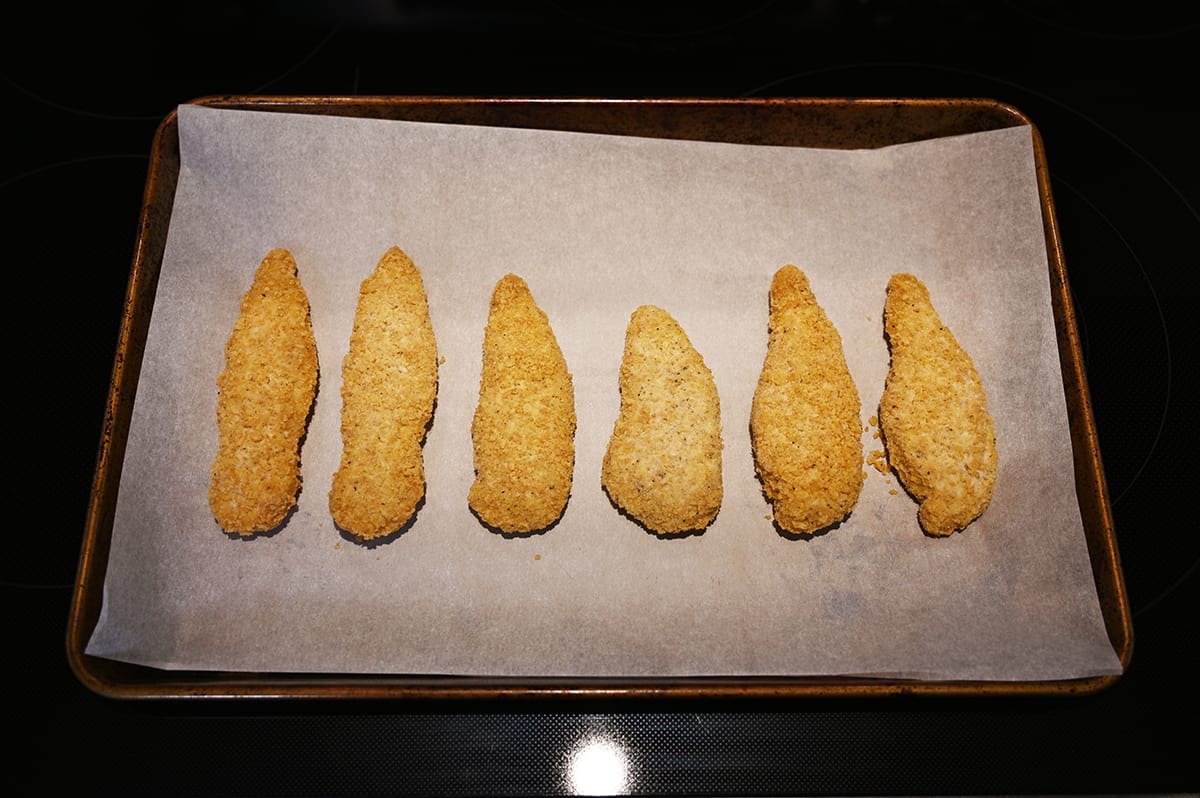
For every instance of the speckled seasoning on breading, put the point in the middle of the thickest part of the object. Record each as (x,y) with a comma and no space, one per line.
(389,386)
(265,394)
(663,461)
(523,430)
(939,436)
(806,415)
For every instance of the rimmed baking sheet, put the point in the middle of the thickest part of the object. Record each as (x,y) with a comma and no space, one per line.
(597,224)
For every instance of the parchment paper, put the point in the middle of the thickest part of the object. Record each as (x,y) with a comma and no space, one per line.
(598,225)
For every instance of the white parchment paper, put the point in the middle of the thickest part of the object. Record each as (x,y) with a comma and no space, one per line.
(598,225)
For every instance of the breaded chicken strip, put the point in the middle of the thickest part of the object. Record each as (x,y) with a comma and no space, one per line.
(524,425)
(806,416)
(663,462)
(265,394)
(939,437)
(389,385)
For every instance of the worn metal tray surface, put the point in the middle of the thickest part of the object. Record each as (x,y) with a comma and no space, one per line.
(825,123)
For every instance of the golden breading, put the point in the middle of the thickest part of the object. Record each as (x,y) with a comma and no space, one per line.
(524,424)
(265,394)
(663,462)
(939,437)
(389,385)
(806,416)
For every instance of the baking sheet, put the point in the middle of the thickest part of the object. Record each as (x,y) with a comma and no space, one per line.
(598,225)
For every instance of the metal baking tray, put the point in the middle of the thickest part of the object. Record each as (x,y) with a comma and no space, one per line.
(827,123)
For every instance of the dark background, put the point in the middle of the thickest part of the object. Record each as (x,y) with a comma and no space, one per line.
(83,89)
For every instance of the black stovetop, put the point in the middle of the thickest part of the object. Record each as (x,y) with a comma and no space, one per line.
(84,91)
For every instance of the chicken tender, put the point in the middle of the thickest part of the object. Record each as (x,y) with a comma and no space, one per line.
(663,461)
(939,437)
(265,394)
(523,429)
(806,415)
(389,386)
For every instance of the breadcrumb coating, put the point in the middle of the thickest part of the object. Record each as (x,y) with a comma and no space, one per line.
(523,429)
(806,415)
(265,394)
(939,436)
(389,386)
(663,461)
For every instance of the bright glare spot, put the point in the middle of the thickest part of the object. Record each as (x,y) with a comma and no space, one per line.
(597,767)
